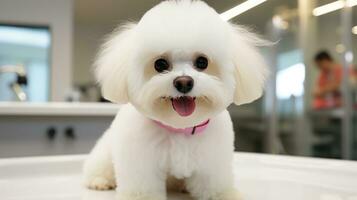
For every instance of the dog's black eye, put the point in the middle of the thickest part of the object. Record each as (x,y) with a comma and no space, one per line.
(161,65)
(201,63)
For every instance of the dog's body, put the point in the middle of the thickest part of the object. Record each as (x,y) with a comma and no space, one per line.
(149,155)
(176,72)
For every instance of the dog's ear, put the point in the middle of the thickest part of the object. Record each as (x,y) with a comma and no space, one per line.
(112,64)
(250,67)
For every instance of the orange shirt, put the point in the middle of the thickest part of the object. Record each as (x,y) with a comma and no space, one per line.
(332,99)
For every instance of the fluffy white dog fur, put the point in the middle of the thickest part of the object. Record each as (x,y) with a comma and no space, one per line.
(142,159)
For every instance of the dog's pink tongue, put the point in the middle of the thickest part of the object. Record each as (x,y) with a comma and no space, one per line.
(184,106)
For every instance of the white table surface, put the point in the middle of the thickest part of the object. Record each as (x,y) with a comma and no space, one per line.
(258,177)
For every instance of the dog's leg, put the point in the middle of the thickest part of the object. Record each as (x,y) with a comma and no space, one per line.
(213,186)
(140,169)
(213,179)
(98,172)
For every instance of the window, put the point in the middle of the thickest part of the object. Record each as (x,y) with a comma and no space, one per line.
(27,48)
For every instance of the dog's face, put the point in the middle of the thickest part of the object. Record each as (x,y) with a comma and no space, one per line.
(181,64)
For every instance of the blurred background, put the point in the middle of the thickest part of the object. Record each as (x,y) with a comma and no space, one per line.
(50,104)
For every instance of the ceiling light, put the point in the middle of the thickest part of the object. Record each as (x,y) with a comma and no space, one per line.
(351,3)
(328,8)
(349,57)
(340,48)
(354,30)
(333,7)
(280,23)
(241,8)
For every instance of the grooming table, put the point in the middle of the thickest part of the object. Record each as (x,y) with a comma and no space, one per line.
(258,177)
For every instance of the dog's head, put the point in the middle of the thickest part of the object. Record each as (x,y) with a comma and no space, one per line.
(181,64)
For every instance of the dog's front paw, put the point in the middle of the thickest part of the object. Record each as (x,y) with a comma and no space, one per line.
(140,196)
(99,183)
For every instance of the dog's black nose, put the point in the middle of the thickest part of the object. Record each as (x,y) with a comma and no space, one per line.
(183,84)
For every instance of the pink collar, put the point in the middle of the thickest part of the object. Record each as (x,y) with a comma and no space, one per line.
(186,131)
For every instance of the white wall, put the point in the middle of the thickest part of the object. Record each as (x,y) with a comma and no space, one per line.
(87,40)
(58,14)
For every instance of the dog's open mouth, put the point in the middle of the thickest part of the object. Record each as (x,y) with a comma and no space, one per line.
(184,105)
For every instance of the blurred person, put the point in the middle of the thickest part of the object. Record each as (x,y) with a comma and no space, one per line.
(327,91)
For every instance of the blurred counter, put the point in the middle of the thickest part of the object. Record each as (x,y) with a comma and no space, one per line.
(34,129)
(57,109)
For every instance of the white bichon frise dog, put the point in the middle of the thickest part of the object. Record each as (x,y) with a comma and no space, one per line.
(175,72)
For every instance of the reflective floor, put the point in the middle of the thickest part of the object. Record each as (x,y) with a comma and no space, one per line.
(258,177)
